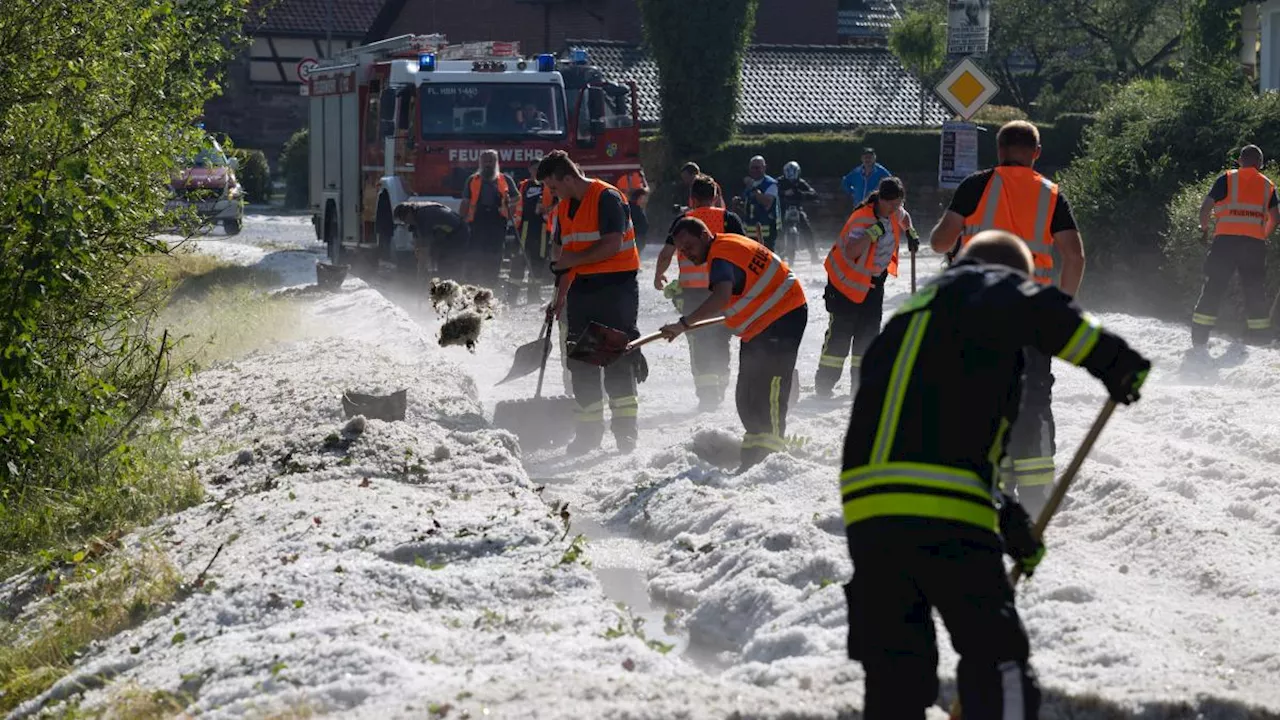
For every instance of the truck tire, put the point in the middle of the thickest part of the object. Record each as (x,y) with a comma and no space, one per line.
(233,226)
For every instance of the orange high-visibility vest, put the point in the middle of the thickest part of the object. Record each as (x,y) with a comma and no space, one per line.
(1021,201)
(854,280)
(693,275)
(1244,210)
(771,289)
(473,190)
(581,231)
(633,180)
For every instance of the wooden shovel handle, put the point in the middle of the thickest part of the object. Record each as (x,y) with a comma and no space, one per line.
(655,336)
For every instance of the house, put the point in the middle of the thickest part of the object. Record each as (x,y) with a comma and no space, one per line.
(261,105)
(793,87)
(545,25)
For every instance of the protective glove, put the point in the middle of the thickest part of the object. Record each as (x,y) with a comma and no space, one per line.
(875,232)
(1125,376)
(913,240)
(1020,541)
(641,366)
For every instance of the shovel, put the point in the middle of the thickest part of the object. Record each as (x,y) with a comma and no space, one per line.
(602,345)
(538,421)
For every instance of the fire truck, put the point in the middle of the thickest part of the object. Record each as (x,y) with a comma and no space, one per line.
(406,119)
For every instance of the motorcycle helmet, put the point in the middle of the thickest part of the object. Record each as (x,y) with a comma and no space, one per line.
(791,170)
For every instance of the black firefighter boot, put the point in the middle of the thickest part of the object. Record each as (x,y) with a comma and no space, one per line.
(625,432)
(588,437)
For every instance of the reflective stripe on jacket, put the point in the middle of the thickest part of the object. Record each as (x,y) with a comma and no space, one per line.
(1021,201)
(771,290)
(693,275)
(473,191)
(854,279)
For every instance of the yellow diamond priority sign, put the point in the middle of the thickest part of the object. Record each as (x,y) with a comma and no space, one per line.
(966,89)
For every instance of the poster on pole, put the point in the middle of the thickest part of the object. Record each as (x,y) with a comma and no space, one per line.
(958,155)
(968,26)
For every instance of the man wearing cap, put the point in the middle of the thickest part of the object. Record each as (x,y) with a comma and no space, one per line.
(864,179)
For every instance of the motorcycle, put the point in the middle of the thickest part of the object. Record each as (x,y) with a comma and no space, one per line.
(789,238)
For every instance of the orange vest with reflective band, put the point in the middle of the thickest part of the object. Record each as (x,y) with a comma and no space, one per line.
(693,275)
(854,280)
(771,290)
(473,189)
(581,231)
(546,202)
(633,180)
(1021,201)
(1244,210)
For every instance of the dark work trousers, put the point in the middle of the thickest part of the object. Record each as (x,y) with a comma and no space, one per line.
(533,258)
(613,300)
(765,367)
(1228,255)
(903,568)
(488,235)
(851,327)
(708,349)
(1028,469)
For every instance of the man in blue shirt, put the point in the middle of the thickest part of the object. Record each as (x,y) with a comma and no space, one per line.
(864,179)
(759,203)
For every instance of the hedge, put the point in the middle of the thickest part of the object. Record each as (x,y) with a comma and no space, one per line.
(1183,252)
(254,175)
(903,151)
(295,169)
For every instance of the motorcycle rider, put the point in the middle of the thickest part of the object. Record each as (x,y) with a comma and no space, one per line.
(794,191)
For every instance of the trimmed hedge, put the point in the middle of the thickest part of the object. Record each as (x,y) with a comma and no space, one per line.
(1183,249)
(903,151)
(295,168)
(254,175)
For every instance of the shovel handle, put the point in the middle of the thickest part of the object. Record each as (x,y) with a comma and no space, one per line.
(655,336)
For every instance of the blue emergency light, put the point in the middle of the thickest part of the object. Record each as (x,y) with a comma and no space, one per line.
(578,56)
(427,62)
(546,62)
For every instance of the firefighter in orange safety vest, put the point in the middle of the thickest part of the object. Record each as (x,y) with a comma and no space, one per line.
(864,255)
(709,347)
(599,263)
(1015,198)
(533,230)
(486,204)
(1246,209)
(764,305)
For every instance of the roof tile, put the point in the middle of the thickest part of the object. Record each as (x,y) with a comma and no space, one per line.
(794,86)
(351,18)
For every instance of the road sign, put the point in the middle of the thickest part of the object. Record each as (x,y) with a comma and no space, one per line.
(958,156)
(305,68)
(968,26)
(966,89)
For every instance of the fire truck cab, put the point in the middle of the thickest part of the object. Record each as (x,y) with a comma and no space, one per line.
(407,119)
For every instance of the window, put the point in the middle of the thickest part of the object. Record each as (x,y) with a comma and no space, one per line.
(491,110)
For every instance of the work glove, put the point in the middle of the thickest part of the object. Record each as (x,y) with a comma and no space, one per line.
(1125,376)
(913,240)
(1020,541)
(876,231)
(641,366)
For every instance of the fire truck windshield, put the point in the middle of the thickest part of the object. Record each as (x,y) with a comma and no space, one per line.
(453,110)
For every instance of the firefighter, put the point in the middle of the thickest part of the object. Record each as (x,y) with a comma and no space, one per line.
(532,224)
(763,304)
(759,201)
(1015,198)
(709,347)
(438,234)
(691,172)
(863,257)
(1246,209)
(599,261)
(924,518)
(486,204)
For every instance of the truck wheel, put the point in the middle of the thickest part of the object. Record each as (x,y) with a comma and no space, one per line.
(232,226)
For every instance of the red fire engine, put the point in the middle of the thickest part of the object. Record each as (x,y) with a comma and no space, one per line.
(406,119)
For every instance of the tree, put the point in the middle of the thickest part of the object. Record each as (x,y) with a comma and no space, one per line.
(1138,36)
(698,47)
(1213,33)
(919,40)
(97,101)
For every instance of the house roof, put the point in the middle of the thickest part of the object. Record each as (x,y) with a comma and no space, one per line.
(793,86)
(865,18)
(309,18)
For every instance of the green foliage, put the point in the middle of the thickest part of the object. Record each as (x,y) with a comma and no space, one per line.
(1153,137)
(698,47)
(919,41)
(254,175)
(295,167)
(1183,251)
(96,104)
(1213,33)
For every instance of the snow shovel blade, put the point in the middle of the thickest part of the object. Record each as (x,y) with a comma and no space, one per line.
(528,358)
(538,422)
(599,345)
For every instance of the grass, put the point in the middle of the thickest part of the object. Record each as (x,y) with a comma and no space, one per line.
(102,600)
